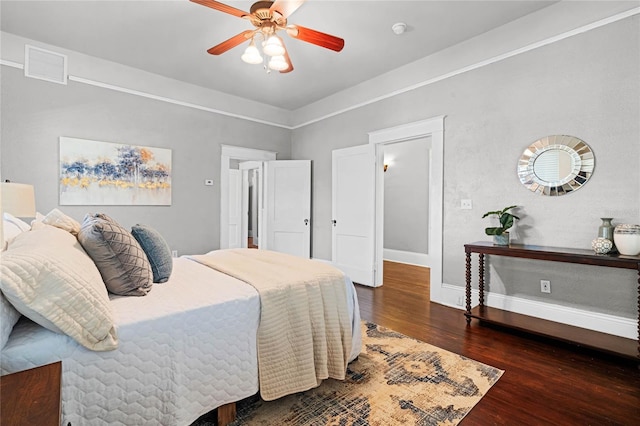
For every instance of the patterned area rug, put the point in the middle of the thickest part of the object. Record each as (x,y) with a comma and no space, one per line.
(395,380)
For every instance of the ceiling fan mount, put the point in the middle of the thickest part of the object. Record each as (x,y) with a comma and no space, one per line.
(260,12)
(269,17)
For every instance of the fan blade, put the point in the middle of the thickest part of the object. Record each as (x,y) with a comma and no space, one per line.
(222,7)
(316,37)
(285,7)
(288,59)
(231,43)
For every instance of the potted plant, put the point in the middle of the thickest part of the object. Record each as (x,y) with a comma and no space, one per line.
(500,233)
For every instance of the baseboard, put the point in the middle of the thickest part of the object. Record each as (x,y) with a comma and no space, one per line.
(411,258)
(605,323)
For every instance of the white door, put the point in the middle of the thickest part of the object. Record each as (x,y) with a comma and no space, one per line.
(287,205)
(353,205)
(235,208)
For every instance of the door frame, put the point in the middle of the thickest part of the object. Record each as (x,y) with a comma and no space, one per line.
(228,153)
(433,128)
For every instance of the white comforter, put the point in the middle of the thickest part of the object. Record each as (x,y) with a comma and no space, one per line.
(187,347)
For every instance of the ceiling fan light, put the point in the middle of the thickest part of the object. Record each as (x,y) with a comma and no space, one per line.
(251,54)
(273,46)
(278,63)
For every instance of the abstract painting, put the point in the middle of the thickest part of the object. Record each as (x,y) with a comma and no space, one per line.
(103,173)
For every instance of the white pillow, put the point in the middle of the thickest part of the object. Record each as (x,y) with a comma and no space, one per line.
(60,220)
(49,278)
(12,227)
(8,318)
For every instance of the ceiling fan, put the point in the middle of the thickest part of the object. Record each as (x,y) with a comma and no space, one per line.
(269,17)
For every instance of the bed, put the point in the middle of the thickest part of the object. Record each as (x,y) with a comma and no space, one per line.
(187,347)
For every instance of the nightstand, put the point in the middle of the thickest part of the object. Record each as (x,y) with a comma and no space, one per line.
(31,397)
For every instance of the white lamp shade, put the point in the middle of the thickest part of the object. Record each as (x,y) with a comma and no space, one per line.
(251,55)
(278,63)
(18,199)
(273,46)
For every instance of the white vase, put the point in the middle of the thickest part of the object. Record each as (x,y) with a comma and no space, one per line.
(627,239)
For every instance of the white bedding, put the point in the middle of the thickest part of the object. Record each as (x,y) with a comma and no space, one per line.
(187,347)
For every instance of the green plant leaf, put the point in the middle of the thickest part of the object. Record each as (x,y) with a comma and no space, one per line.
(497,213)
(506,220)
(506,209)
(494,231)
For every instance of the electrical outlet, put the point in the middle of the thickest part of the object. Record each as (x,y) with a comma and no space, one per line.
(460,301)
(545,286)
(466,205)
(174,253)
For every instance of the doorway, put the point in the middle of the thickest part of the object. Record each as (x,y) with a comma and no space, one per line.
(431,130)
(406,201)
(230,186)
(282,201)
(253,225)
(358,204)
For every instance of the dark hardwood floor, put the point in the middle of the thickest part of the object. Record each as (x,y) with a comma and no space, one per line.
(544,383)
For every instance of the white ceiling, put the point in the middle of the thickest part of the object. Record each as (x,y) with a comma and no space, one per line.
(170,38)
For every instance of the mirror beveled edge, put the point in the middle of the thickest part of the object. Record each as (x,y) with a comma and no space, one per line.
(583,165)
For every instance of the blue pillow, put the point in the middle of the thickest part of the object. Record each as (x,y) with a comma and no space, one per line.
(157,250)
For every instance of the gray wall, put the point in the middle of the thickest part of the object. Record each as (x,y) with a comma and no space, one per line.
(587,86)
(36,113)
(406,192)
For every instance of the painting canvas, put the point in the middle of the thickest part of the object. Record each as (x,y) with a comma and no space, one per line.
(103,173)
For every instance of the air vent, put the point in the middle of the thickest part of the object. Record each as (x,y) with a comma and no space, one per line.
(45,65)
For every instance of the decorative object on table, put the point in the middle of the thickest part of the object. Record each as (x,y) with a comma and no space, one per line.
(602,245)
(605,230)
(499,233)
(556,165)
(102,173)
(627,239)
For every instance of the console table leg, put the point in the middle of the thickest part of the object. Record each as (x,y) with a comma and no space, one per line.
(468,288)
(481,280)
(639,312)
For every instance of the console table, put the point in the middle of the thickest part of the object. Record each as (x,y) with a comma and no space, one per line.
(616,345)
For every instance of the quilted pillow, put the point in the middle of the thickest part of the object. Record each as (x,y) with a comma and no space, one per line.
(9,316)
(60,220)
(121,261)
(157,250)
(48,277)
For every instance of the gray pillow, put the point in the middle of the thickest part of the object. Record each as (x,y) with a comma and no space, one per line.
(121,261)
(157,250)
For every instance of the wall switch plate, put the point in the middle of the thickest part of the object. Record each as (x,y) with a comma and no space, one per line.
(208,182)
(545,286)
(466,204)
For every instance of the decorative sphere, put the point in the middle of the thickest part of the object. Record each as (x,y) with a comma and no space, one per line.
(601,245)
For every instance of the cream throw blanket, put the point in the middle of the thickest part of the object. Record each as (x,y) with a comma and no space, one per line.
(304,334)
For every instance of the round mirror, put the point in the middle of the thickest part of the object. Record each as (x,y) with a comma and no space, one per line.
(556,165)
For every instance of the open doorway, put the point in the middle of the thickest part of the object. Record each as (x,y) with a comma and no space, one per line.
(406,201)
(429,133)
(252,203)
(358,204)
(231,229)
(253,225)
